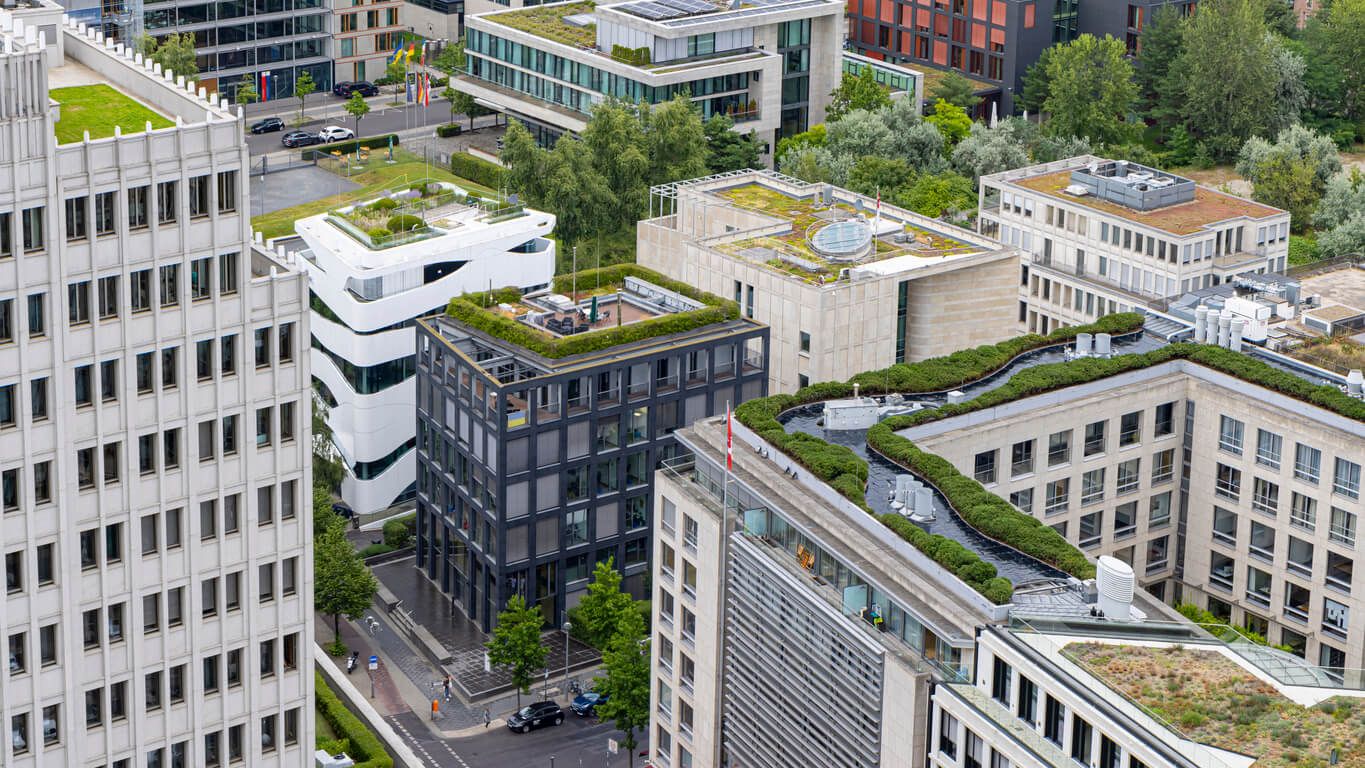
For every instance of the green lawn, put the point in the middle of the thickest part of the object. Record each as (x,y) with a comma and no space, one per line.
(379,177)
(97,109)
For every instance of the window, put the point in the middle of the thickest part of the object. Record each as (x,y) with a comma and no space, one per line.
(151,613)
(170,369)
(290,648)
(42,482)
(38,398)
(151,528)
(264,417)
(166,202)
(1094,438)
(175,606)
(104,213)
(289,576)
(76,225)
(6,321)
(1303,511)
(230,523)
(1059,448)
(209,594)
(47,645)
(1230,435)
(1158,550)
(1092,528)
(175,684)
(229,435)
(267,658)
(1021,458)
(1262,545)
(268,733)
(234,668)
(1225,526)
(1082,740)
(262,347)
(1001,678)
(287,423)
(33,229)
(1058,492)
(37,315)
(90,628)
(108,297)
(1159,510)
(146,454)
(1268,446)
(227,191)
(1343,530)
(140,291)
(199,196)
(210,674)
(84,387)
(947,734)
(1092,486)
(115,614)
(227,355)
(287,494)
(1027,708)
(138,214)
(51,731)
(8,416)
(1023,500)
(1130,428)
(1346,478)
(985,467)
(18,729)
(232,592)
(169,285)
(1229,482)
(151,688)
(227,273)
(201,279)
(78,303)
(1054,720)
(1307,463)
(286,345)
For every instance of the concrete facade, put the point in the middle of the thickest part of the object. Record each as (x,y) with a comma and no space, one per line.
(363,38)
(154,452)
(876,313)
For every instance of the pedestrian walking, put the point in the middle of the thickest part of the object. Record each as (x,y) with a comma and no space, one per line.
(445,686)
(487,717)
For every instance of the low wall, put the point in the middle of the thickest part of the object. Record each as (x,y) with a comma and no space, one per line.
(402,754)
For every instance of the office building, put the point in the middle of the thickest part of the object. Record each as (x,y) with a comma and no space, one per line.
(1187,479)
(844,283)
(541,420)
(364,38)
(154,451)
(770,67)
(368,284)
(1099,236)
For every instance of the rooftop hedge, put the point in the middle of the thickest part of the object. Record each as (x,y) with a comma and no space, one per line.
(846,472)
(471,309)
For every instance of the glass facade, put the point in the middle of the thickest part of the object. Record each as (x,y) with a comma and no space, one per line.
(793,45)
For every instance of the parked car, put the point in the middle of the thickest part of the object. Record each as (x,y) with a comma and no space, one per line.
(300,139)
(585,703)
(346,88)
(268,125)
(335,133)
(536,715)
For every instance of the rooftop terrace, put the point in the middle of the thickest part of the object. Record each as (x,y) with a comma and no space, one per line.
(825,238)
(1208,206)
(1207,697)
(548,21)
(421,209)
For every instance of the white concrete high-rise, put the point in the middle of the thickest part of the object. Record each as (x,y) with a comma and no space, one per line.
(158,559)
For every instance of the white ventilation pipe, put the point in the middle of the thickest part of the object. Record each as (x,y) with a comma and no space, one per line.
(1201,322)
(1355,383)
(1114,587)
(1224,327)
(1235,340)
(1103,345)
(1083,344)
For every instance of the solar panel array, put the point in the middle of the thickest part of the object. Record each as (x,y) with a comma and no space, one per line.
(658,10)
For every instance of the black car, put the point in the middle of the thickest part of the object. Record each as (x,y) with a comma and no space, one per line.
(363,87)
(536,715)
(267,125)
(300,139)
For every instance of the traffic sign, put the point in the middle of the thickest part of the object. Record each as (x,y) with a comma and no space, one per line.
(374,663)
(613,747)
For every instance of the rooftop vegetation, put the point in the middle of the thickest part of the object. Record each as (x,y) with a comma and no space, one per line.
(547,21)
(98,109)
(1206,697)
(472,309)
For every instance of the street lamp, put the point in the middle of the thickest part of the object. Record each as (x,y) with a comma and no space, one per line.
(567,626)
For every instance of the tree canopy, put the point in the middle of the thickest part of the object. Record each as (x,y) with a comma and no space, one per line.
(1226,71)
(860,91)
(342,585)
(625,680)
(955,88)
(1090,91)
(174,52)
(602,609)
(515,645)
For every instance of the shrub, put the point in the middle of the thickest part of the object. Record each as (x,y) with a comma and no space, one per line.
(365,747)
(469,309)
(400,531)
(346,147)
(636,57)
(440,82)
(376,549)
(405,222)
(476,169)
(383,204)
(445,131)
(378,233)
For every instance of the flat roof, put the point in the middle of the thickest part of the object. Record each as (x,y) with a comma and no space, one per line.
(1209,206)
(89,103)
(548,22)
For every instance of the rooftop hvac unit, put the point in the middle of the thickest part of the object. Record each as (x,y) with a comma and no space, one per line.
(1078,190)
(1114,587)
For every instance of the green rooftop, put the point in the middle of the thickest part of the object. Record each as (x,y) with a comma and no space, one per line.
(547,21)
(481,311)
(98,109)
(1207,698)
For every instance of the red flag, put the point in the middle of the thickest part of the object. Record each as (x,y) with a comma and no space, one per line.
(265,86)
(729,439)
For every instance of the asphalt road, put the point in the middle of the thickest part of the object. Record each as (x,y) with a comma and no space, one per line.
(380,120)
(578,742)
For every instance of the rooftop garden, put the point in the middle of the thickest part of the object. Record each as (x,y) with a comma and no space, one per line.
(412,213)
(98,109)
(993,516)
(805,215)
(547,21)
(476,311)
(1207,698)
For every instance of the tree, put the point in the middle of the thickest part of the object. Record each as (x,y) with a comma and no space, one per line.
(1279,18)
(1159,46)
(873,175)
(859,134)
(328,469)
(1090,90)
(451,58)
(1291,94)
(1286,182)
(625,681)
(1344,198)
(728,150)
(577,194)
(396,71)
(955,88)
(990,150)
(1346,238)
(1293,173)
(524,163)
(937,194)
(1036,83)
(676,141)
(358,108)
(515,644)
(460,103)
(951,121)
(1227,74)
(341,582)
(173,52)
(323,516)
(860,91)
(602,609)
(246,90)
(1344,37)
(303,88)
(616,144)
(815,136)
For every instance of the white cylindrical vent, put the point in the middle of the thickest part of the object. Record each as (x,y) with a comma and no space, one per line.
(1355,382)
(1103,345)
(1201,321)
(1224,328)
(1235,340)
(1114,586)
(924,503)
(1083,344)
(855,391)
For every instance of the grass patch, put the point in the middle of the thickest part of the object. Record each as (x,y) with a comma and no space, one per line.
(381,177)
(1207,698)
(98,109)
(547,21)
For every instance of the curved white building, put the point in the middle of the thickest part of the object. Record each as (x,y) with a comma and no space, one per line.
(368,285)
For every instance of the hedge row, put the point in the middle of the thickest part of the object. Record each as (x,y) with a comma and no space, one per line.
(347,147)
(476,169)
(366,748)
(978,507)
(964,563)
(469,309)
(1207,620)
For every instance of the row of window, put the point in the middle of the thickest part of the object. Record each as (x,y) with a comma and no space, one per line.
(1333,659)
(97,215)
(1307,459)
(1095,438)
